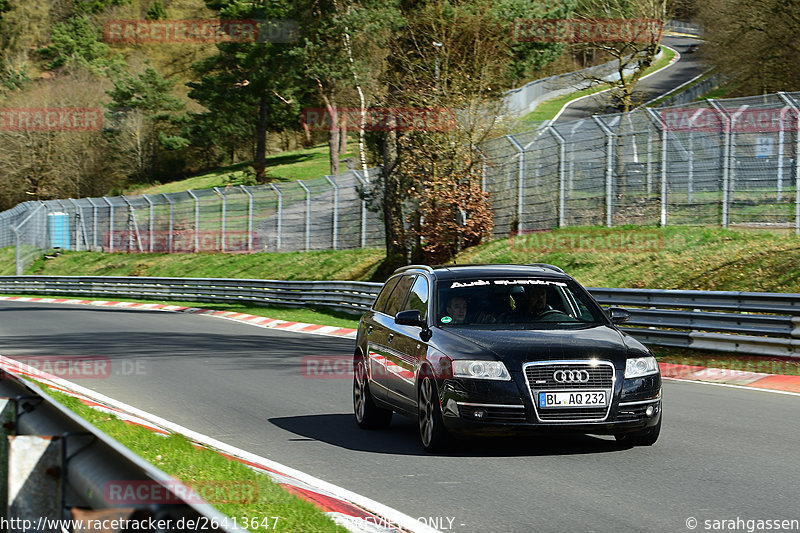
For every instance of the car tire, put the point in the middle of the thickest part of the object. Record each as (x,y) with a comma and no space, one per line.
(647,437)
(368,415)
(433,434)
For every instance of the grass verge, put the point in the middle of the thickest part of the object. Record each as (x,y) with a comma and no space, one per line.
(236,484)
(308,163)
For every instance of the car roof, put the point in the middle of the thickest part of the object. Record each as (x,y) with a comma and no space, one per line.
(448,272)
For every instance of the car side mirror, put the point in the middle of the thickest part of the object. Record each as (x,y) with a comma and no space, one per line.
(618,315)
(410,318)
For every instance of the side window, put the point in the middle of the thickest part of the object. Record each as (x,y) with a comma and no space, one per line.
(418,299)
(380,301)
(398,295)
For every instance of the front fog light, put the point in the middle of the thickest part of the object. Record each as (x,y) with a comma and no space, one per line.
(650,410)
(641,366)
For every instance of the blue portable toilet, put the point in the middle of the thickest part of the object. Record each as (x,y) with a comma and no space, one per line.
(58,224)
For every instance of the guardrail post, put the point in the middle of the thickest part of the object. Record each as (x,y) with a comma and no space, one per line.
(33,492)
(520,181)
(308,214)
(249,218)
(110,224)
(196,220)
(224,216)
(364,182)
(280,214)
(335,236)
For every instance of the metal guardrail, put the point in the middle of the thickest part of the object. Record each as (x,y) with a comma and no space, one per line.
(59,466)
(741,322)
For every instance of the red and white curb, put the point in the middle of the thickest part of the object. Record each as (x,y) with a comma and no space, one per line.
(356,513)
(732,377)
(300,327)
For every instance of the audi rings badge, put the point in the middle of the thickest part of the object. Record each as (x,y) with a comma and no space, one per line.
(571,376)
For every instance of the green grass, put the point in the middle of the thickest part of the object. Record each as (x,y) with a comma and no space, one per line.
(550,108)
(720,92)
(305,164)
(319,265)
(202,467)
(701,258)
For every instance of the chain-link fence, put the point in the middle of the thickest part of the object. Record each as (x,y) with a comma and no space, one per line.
(718,162)
(320,214)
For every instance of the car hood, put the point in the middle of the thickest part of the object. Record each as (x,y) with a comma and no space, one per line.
(516,347)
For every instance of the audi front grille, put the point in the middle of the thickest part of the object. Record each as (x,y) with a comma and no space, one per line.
(557,376)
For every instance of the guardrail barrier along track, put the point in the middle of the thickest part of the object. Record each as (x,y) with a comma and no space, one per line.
(59,467)
(739,322)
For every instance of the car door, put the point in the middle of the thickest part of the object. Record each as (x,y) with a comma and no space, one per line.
(381,347)
(408,349)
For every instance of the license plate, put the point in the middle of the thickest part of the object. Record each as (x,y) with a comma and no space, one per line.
(572,399)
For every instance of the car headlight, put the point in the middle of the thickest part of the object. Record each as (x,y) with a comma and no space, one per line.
(481,370)
(641,366)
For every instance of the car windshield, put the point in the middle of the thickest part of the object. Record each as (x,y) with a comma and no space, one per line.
(514,303)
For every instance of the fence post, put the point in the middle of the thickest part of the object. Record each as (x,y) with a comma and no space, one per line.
(170,245)
(562,177)
(659,122)
(110,224)
(308,214)
(280,214)
(196,220)
(94,224)
(791,103)
(224,213)
(363,182)
(149,223)
(18,266)
(133,226)
(80,229)
(520,180)
(649,176)
(335,237)
(609,171)
(249,218)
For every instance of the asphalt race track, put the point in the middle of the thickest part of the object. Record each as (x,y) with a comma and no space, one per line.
(651,87)
(724,453)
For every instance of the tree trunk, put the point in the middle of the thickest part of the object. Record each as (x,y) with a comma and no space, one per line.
(260,160)
(333,135)
(343,138)
(392,196)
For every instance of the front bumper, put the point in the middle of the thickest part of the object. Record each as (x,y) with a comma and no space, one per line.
(479,407)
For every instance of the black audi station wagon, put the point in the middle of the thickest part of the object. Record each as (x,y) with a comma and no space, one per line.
(501,349)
